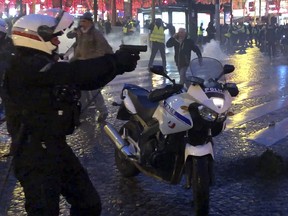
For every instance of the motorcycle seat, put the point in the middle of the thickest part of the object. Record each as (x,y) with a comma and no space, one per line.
(144,107)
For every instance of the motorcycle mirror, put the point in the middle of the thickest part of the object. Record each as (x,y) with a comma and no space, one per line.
(159,70)
(232,89)
(228,68)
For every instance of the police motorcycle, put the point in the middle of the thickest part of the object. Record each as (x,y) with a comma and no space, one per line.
(168,133)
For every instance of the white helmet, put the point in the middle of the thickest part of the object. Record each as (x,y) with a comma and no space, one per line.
(36,30)
(3,26)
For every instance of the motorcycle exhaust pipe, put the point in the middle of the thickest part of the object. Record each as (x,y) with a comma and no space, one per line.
(116,138)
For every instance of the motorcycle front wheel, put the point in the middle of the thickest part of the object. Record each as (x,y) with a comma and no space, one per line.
(200,184)
(124,165)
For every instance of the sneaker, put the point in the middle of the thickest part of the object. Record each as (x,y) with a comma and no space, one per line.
(102,117)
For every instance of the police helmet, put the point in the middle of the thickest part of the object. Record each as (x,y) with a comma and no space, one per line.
(35,31)
(3,26)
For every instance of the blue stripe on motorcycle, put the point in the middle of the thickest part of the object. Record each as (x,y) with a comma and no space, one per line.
(182,118)
(176,114)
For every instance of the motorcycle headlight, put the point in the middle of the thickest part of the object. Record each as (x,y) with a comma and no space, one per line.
(219,102)
(207,114)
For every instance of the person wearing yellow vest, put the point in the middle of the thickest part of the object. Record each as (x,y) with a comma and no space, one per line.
(157,39)
(200,34)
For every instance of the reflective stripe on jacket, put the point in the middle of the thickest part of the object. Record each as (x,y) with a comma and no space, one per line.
(158,35)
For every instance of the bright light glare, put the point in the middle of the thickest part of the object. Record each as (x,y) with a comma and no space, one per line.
(219,102)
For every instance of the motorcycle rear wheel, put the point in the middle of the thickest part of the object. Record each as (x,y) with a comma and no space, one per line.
(126,167)
(200,184)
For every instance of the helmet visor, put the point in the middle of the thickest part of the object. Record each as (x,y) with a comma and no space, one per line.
(64,20)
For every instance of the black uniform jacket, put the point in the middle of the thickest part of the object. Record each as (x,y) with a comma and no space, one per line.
(40,91)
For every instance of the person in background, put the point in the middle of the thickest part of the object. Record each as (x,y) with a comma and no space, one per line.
(241,28)
(6,49)
(108,27)
(211,31)
(6,43)
(271,37)
(171,28)
(41,108)
(182,49)
(200,35)
(91,43)
(157,39)
(100,25)
(128,28)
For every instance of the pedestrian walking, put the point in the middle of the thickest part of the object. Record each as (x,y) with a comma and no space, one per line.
(182,51)
(91,43)
(41,102)
(157,39)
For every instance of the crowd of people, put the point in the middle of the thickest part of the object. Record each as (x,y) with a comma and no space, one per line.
(271,39)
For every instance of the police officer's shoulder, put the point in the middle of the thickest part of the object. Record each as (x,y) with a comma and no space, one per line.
(34,59)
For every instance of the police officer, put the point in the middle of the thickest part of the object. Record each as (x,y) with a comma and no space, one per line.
(41,108)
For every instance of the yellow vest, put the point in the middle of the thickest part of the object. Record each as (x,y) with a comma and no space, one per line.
(158,35)
(200,31)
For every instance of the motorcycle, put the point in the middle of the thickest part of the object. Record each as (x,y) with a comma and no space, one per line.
(168,132)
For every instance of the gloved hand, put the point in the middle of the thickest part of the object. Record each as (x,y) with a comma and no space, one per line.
(126,61)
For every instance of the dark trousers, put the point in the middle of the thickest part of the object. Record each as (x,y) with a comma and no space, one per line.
(155,47)
(49,169)
(271,46)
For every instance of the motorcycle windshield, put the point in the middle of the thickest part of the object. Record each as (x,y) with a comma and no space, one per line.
(208,69)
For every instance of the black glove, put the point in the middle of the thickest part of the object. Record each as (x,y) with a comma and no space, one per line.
(126,61)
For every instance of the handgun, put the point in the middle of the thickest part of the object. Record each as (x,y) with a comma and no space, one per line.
(133,48)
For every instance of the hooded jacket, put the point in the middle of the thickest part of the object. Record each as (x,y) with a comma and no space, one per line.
(90,44)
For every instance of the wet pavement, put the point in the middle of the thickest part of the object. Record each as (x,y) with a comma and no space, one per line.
(243,185)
